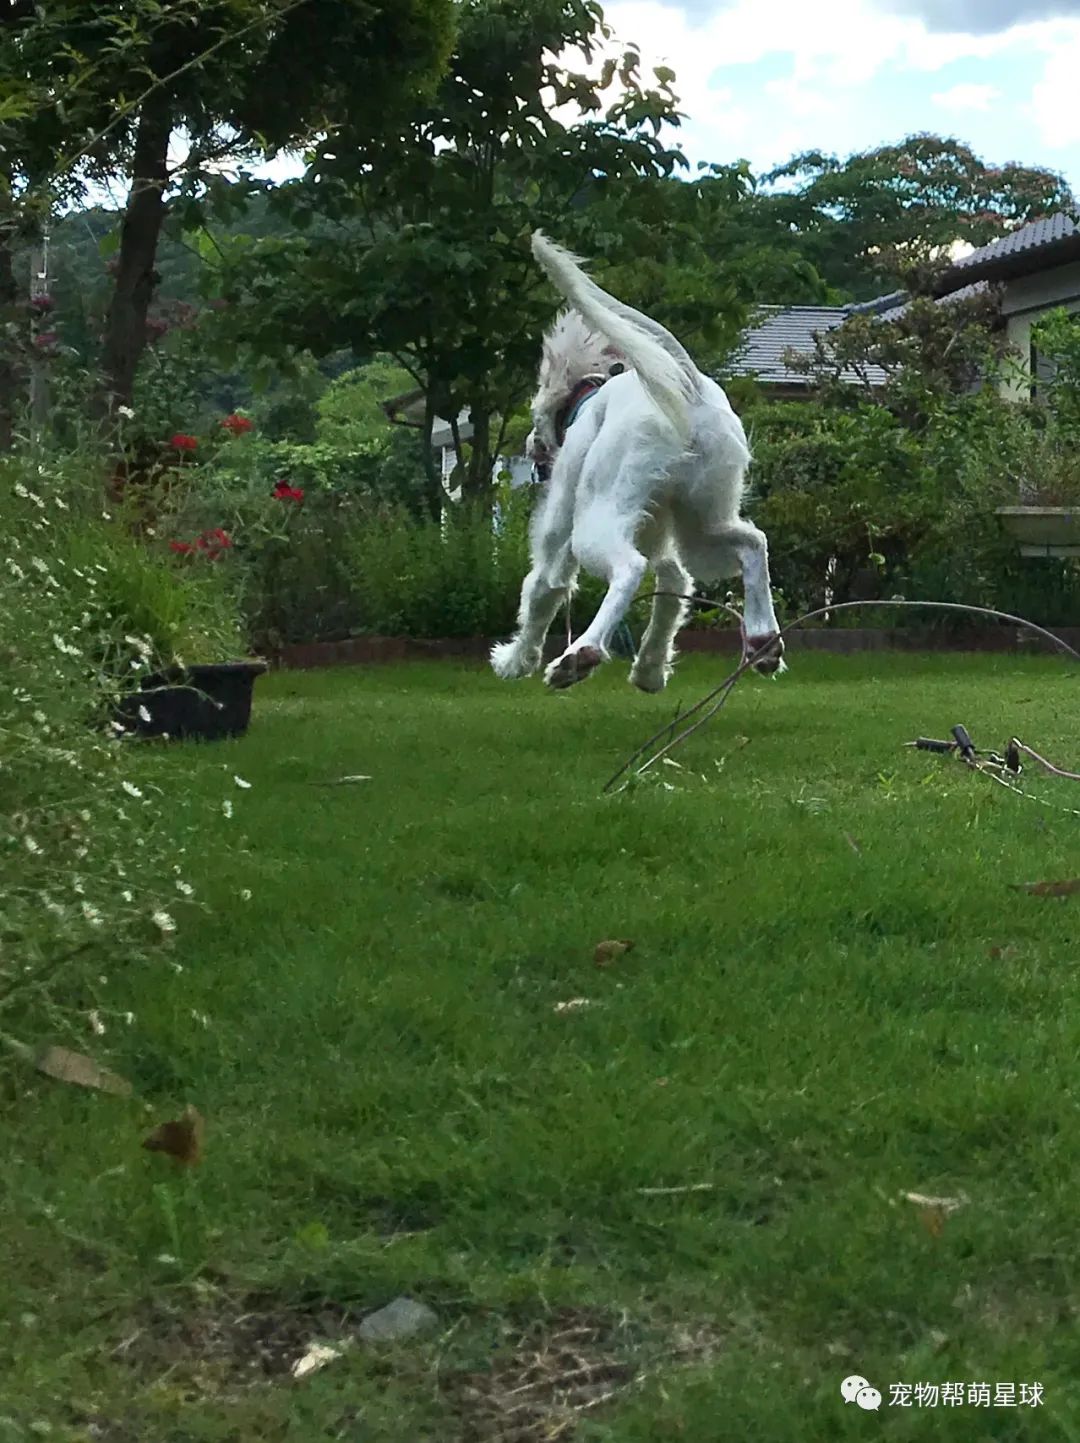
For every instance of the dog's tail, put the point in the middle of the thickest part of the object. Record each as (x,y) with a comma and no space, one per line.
(663,366)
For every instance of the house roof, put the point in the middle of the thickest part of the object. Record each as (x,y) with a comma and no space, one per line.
(975,288)
(1037,246)
(783,328)
(408,410)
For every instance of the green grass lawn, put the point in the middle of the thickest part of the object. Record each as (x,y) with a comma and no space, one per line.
(834,998)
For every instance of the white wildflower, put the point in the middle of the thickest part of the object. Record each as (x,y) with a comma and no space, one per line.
(39,565)
(226,807)
(144,715)
(131,789)
(245,895)
(92,915)
(125,411)
(31,846)
(163,921)
(127,896)
(86,817)
(40,718)
(20,490)
(16,570)
(241,783)
(185,887)
(96,1024)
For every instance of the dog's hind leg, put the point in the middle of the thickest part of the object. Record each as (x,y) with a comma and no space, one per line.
(738,545)
(653,666)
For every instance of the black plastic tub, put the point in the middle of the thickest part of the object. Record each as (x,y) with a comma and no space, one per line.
(203,703)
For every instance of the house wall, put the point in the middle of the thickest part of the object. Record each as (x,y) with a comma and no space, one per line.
(1023,302)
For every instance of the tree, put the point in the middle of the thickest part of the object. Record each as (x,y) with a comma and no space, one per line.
(426,254)
(859,221)
(930,351)
(249,76)
(46,108)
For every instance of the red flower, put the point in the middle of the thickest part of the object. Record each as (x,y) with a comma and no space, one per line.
(284,492)
(45,340)
(237,424)
(214,542)
(42,304)
(180,442)
(182,546)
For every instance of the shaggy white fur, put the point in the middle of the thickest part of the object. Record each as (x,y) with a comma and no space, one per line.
(651,473)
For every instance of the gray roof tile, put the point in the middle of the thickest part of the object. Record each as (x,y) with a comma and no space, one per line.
(781,328)
(1030,237)
(976,288)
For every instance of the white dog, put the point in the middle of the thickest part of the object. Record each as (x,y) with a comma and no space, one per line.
(646,468)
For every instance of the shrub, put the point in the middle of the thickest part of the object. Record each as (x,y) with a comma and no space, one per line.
(94,861)
(858,505)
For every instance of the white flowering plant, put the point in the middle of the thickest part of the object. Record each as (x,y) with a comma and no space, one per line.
(93,856)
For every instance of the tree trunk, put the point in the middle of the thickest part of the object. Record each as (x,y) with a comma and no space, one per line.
(477,488)
(125,325)
(9,371)
(433,490)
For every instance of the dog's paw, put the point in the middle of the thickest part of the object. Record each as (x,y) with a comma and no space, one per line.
(650,678)
(510,663)
(572,667)
(771,663)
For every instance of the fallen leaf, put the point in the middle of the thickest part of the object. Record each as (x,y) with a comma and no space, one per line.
(573,1005)
(316,1357)
(1000,954)
(606,952)
(1048,889)
(81,1071)
(934,1210)
(182,1139)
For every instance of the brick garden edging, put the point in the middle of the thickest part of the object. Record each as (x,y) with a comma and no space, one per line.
(370,650)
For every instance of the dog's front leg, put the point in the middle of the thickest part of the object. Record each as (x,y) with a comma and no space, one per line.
(540,601)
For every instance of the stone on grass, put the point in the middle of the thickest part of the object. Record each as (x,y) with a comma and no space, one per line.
(402,1318)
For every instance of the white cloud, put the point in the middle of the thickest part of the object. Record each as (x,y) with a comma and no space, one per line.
(826,100)
(966,97)
(1053,101)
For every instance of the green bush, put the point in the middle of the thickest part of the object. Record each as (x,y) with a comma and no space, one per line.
(858,505)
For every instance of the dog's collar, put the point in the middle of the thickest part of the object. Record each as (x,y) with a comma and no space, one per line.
(567,413)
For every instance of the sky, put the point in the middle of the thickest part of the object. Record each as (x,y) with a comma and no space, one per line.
(761,80)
